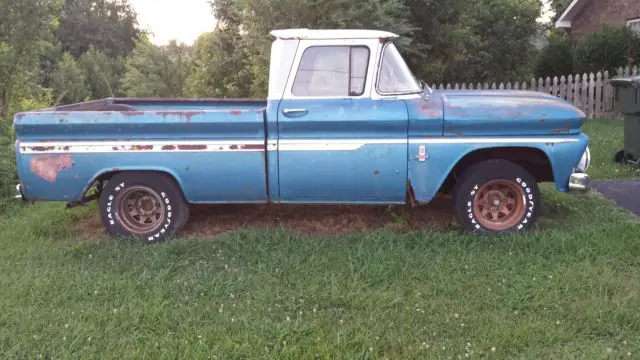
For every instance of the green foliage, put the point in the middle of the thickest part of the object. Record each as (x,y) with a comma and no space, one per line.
(50,55)
(220,67)
(156,71)
(109,26)
(559,6)
(556,58)
(454,40)
(501,41)
(23,24)
(607,50)
(102,73)
(69,81)
(7,163)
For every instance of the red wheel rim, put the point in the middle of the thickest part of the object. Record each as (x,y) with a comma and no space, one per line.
(499,204)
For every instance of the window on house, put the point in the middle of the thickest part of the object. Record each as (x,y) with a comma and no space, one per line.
(634,25)
(332,71)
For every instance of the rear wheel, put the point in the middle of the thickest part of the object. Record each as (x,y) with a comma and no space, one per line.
(144,205)
(496,197)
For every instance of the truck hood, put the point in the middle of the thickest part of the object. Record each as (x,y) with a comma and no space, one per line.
(486,113)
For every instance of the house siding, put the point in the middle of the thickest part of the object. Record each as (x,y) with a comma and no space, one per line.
(598,12)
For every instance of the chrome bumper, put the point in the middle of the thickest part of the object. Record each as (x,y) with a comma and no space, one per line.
(579,182)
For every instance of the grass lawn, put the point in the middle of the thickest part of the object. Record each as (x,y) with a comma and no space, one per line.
(569,289)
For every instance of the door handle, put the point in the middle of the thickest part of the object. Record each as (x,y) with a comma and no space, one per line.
(295,112)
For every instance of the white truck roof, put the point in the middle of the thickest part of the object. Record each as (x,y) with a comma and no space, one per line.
(311,34)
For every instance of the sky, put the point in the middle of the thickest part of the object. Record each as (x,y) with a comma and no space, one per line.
(182,20)
(185,20)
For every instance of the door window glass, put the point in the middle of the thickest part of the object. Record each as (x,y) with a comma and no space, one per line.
(329,71)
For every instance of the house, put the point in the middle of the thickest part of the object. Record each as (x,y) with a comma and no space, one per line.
(584,17)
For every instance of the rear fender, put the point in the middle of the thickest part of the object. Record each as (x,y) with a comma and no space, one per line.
(107,173)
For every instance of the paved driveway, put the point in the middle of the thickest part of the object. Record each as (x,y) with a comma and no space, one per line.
(625,193)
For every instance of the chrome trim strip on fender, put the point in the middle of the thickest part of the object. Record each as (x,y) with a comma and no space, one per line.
(487,140)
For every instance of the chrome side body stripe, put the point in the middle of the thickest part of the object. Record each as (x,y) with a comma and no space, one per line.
(257,145)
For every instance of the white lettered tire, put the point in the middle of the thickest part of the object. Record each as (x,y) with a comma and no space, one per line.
(496,197)
(145,205)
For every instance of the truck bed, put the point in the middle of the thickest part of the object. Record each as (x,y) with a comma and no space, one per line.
(155,104)
(214,148)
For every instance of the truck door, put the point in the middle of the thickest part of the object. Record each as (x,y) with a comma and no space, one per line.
(336,144)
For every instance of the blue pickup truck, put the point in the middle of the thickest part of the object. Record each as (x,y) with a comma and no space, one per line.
(345,122)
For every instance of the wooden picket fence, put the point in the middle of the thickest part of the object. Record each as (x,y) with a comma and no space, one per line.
(592,93)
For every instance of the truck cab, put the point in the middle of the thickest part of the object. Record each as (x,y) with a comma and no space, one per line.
(345,122)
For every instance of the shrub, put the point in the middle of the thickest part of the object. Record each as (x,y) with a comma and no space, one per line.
(609,49)
(7,163)
(556,58)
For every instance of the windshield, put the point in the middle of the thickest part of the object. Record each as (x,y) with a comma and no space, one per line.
(395,76)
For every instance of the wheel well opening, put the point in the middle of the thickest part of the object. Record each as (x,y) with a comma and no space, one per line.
(535,161)
(95,188)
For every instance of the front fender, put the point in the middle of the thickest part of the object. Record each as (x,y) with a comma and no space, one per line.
(429,171)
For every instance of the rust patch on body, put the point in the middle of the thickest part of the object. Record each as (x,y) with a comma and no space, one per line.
(42,148)
(187,115)
(192,147)
(451,130)
(141,147)
(430,108)
(246,147)
(253,147)
(168,147)
(133,113)
(559,131)
(235,112)
(49,166)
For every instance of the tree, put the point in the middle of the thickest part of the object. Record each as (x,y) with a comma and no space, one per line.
(442,40)
(559,6)
(156,71)
(501,47)
(69,81)
(556,58)
(23,25)
(109,26)
(103,73)
(244,25)
(608,49)
(221,67)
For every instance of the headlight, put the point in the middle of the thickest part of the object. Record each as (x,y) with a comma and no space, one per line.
(585,161)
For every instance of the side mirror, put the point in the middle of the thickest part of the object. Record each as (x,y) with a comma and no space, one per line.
(425,87)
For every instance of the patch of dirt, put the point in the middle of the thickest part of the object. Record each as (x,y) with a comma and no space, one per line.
(209,221)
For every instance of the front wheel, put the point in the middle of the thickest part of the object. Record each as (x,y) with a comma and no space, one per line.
(496,197)
(144,205)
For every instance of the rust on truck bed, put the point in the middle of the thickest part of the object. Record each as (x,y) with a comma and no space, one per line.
(49,166)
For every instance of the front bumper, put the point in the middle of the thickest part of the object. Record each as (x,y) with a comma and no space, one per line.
(579,182)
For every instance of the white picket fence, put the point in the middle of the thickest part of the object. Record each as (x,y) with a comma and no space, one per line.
(592,93)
